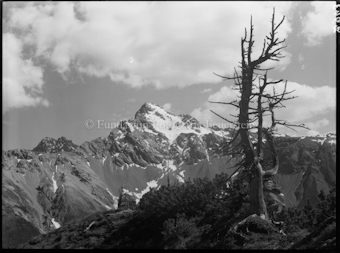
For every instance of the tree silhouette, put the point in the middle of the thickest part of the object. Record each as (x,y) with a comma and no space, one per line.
(252,164)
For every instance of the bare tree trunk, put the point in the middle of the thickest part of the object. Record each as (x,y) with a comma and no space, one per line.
(256,197)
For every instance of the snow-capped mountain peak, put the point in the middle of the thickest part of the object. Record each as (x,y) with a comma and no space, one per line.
(170,125)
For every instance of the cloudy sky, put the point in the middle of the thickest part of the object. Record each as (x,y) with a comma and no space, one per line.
(67,62)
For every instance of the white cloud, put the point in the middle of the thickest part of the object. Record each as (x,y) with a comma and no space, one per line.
(318,23)
(167,107)
(206,117)
(142,43)
(22,81)
(312,133)
(311,101)
(318,124)
(207,90)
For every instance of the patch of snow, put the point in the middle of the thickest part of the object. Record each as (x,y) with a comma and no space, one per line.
(179,148)
(121,135)
(29,160)
(160,166)
(171,165)
(180,179)
(138,196)
(114,198)
(221,133)
(162,176)
(103,159)
(281,194)
(88,164)
(146,129)
(40,154)
(182,173)
(56,224)
(332,142)
(116,155)
(127,191)
(207,155)
(133,165)
(322,141)
(130,126)
(152,183)
(18,160)
(170,125)
(55,186)
(136,189)
(109,208)
(147,143)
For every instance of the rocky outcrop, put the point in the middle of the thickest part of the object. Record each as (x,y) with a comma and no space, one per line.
(50,145)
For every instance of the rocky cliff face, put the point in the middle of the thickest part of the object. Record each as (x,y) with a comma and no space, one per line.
(307,165)
(58,181)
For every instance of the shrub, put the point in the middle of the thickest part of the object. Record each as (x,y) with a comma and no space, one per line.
(181,233)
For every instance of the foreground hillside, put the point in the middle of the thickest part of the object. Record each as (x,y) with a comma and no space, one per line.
(200,214)
(59,182)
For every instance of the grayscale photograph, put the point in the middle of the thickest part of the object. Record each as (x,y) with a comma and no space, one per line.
(169,125)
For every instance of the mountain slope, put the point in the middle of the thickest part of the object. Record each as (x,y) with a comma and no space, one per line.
(58,181)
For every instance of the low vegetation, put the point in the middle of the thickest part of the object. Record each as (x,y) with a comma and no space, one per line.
(203,213)
(198,214)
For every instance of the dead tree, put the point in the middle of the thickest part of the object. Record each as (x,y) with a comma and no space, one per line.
(254,103)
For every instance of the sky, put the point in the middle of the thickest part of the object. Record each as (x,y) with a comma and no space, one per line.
(66,64)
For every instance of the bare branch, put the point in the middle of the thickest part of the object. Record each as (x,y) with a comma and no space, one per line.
(223,118)
(289,125)
(230,103)
(225,77)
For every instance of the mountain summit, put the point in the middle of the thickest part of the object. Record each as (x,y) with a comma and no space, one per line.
(168,124)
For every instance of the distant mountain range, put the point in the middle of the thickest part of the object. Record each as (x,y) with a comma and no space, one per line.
(58,181)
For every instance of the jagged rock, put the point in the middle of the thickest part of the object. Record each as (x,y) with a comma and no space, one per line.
(126,201)
(51,145)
